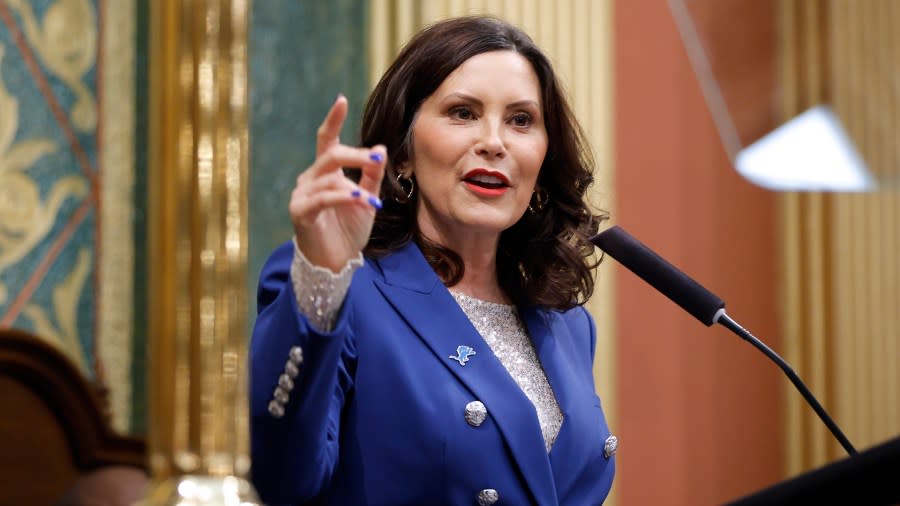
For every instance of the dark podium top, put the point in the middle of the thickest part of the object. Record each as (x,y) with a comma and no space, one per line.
(871,477)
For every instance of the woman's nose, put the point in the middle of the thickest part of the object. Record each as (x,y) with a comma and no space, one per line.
(490,143)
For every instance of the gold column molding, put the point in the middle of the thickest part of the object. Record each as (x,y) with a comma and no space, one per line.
(198,428)
(841,287)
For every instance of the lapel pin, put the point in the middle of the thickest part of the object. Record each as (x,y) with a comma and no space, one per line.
(462,354)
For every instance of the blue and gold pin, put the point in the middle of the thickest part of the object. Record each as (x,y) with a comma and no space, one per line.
(462,354)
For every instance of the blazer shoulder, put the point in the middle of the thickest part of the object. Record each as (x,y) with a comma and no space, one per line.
(578,318)
(279,259)
(581,325)
(275,273)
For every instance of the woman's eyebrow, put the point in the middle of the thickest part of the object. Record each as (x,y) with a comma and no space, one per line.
(474,100)
(524,103)
(464,97)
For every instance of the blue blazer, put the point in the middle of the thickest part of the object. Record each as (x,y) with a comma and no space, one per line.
(376,415)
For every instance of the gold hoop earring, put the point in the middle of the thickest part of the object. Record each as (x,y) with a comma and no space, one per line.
(539,199)
(412,188)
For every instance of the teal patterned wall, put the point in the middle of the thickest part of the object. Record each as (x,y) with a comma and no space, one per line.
(73,117)
(302,54)
(49,173)
(67,174)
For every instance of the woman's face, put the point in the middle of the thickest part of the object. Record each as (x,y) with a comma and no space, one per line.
(478,144)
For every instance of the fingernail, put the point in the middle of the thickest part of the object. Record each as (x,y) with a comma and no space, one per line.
(338,97)
(375,202)
(376,157)
(356,193)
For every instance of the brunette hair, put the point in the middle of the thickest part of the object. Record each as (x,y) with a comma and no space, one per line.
(544,259)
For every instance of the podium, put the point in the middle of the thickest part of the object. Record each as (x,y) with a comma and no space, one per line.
(871,477)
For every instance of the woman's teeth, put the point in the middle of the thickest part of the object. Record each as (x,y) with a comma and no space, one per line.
(486,181)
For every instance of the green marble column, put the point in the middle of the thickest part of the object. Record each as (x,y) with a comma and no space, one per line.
(302,54)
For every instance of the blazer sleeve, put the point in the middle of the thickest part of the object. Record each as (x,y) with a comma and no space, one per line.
(295,409)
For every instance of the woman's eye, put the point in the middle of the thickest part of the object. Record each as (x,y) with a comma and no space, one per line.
(522,119)
(462,113)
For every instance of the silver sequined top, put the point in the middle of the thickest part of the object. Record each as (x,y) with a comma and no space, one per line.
(320,293)
(501,327)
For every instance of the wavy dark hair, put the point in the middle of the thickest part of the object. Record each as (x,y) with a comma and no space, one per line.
(544,259)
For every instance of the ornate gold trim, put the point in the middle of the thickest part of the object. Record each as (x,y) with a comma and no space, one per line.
(115,299)
(198,244)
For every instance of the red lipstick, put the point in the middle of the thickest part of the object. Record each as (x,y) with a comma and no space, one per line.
(486,183)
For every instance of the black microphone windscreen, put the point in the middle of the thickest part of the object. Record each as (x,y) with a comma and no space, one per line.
(665,277)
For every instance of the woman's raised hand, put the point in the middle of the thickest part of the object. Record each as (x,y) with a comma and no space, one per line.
(332,215)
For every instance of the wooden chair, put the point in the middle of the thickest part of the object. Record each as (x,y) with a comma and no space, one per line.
(55,440)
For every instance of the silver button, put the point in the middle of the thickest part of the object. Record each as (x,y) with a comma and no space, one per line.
(487,497)
(276,409)
(285,382)
(296,355)
(290,368)
(610,446)
(280,395)
(476,413)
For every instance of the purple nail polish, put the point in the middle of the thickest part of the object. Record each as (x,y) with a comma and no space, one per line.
(375,202)
(355,193)
(376,157)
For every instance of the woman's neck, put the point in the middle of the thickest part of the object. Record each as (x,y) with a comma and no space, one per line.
(487,290)
(478,252)
(480,275)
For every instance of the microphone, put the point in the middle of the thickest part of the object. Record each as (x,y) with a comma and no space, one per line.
(665,277)
(699,302)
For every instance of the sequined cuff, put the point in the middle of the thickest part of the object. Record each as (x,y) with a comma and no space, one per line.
(319,291)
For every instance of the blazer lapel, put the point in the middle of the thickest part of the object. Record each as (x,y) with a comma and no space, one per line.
(556,351)
(410,285)
(543,328)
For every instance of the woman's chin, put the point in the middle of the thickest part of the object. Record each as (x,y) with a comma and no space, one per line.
(488,221)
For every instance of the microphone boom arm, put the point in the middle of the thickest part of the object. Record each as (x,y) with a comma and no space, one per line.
(700,302)
(744,334)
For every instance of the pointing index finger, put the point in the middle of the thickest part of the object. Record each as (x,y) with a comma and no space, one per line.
(330,130)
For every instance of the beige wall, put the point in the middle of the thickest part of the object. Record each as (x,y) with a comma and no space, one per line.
(841,275)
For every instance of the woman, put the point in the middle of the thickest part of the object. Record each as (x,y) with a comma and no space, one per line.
(421,340)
